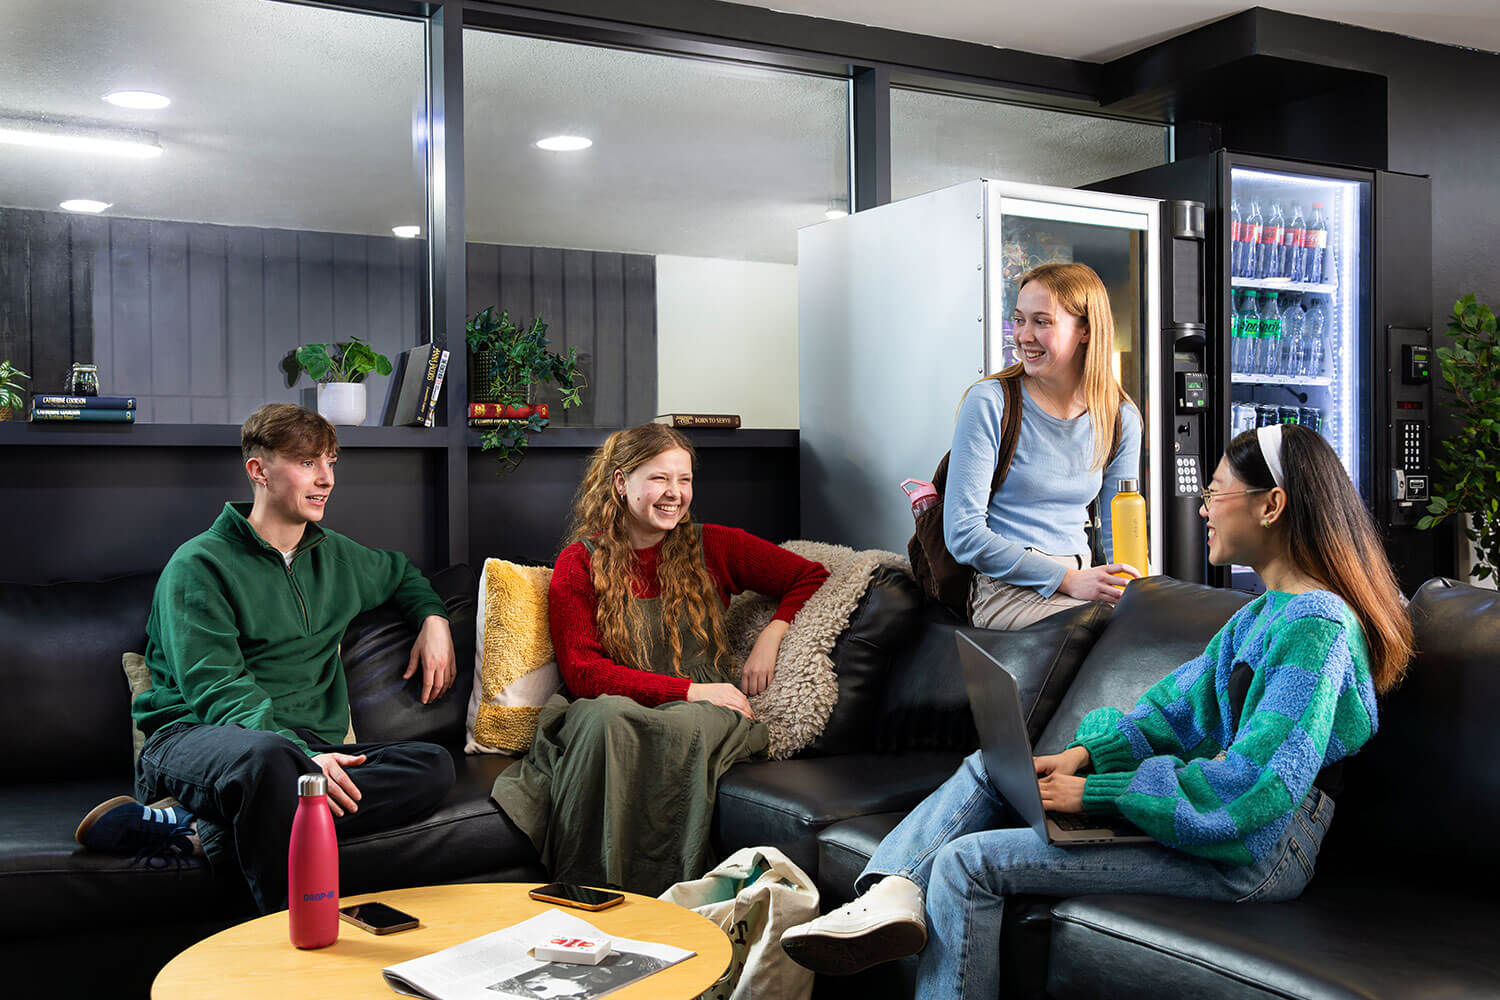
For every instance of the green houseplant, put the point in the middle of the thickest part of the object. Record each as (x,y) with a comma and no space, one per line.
(506,364)
(11,397)
(1469,466)
(340,370)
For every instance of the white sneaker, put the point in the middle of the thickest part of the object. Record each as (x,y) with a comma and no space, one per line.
(883,925)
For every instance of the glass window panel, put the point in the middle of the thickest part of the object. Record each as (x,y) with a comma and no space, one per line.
(666,251)
(291,147)
(939,139)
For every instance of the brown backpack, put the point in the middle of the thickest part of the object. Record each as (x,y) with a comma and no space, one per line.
(942,577)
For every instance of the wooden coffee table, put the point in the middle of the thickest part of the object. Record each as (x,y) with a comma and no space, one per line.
(256,960)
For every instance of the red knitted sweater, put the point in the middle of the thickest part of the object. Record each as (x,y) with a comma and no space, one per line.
(737,561)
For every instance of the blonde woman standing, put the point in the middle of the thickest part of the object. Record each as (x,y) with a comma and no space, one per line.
(1026,541)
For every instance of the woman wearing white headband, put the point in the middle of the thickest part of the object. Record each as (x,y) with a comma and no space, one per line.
(1229,762)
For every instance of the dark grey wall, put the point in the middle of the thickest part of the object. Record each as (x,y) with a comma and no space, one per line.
(194,319)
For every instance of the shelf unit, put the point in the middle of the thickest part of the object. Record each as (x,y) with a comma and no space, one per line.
(1241,378)
(1283,285)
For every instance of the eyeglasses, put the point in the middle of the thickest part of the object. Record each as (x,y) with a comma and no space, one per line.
(1209,496)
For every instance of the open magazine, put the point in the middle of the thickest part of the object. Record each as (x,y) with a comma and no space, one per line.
(500,965)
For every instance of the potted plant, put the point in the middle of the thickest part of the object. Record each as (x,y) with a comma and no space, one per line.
(1469,483)
(340,370)
(506,364)
(11,397)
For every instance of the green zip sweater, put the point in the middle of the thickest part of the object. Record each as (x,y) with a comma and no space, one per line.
(237,637)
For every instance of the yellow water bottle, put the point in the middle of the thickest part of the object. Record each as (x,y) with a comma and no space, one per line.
(1127,515)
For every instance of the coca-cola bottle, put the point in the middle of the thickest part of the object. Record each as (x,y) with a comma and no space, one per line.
(1315,246)
(1269,265)
(1291,244)
(1251,231)
(1236,240)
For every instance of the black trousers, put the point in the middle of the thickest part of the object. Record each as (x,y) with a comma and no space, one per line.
(242,785)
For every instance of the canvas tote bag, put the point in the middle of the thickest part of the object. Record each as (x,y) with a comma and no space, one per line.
(754,895)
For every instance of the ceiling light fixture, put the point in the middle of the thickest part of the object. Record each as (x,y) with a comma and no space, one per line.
(407,232)
(140,100)
(835,213)
(564,143)
(84,205)
(41,134)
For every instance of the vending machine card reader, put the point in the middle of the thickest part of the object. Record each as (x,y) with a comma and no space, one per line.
(1409,422)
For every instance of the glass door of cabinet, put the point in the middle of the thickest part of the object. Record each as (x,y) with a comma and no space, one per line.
(1117,236)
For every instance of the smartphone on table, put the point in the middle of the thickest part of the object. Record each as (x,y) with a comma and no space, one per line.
(568,894)
(377,918)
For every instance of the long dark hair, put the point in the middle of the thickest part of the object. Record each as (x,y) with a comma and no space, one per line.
(1333,540)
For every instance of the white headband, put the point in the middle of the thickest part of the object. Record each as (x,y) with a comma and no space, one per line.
(1270,450)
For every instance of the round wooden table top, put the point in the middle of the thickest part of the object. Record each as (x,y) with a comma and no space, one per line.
(255,959)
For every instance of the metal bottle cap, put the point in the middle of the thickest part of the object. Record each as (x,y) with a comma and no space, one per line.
(1129,485)
(312,784)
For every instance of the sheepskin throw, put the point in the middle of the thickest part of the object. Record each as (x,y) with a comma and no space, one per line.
(797,705)
(515,671)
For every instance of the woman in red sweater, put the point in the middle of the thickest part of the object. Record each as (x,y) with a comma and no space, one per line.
(618,787)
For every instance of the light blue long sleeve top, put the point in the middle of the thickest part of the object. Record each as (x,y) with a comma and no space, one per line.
(1044,501)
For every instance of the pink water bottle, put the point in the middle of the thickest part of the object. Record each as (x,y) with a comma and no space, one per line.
(922,493)
(312,867)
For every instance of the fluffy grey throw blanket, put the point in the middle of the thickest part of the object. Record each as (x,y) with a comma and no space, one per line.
(796,706)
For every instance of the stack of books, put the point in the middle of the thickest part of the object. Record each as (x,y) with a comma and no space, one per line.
(487,415)
(87,409)
(417,386)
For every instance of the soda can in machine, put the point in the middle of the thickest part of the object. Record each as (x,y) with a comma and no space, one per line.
(1267,414)
(1288,414)
(1311,417)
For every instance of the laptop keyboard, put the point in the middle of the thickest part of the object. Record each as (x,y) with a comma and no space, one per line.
(1083,821)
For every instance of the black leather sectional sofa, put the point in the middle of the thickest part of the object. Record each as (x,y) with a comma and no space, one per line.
(1398,908)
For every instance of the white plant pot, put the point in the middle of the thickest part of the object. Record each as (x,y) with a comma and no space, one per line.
(342,402)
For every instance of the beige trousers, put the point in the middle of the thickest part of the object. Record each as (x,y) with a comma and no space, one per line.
(1006,607)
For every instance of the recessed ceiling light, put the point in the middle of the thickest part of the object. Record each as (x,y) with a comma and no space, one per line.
(141,100)
(43,134)
(407,232)
(84,205)
(835,213)
(565,143)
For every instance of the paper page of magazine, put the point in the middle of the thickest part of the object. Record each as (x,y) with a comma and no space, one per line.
(499,966)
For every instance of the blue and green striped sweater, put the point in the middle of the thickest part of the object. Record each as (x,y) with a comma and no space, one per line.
(1173,766)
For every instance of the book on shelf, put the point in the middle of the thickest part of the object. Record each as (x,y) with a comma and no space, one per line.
(414,383)
(83,402)
(508,412)
(63,415)
(430,417)
(484,423)
(727,420)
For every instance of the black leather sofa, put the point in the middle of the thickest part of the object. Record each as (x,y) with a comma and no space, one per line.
(83,922)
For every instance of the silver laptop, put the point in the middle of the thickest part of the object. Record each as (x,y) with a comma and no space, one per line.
(996,703)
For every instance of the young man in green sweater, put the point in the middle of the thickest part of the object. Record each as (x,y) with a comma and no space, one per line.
(247,688)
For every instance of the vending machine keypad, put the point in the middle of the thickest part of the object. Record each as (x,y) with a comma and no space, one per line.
(1188,481)
(1413,444)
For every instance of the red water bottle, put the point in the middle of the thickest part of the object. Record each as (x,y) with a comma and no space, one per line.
(312,867)
(923,495)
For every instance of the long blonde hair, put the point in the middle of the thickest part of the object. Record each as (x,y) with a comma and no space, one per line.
(1079,290)
(688,592)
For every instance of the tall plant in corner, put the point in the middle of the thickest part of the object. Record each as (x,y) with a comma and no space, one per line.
(1470,461)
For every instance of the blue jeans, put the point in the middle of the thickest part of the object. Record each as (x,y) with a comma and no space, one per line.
(951,847)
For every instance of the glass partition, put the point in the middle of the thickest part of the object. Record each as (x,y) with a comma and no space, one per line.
(247,162)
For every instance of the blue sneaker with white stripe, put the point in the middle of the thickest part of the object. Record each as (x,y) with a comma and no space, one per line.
(122,825)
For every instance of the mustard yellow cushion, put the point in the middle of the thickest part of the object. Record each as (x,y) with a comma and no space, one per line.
(515,671)
(138,676)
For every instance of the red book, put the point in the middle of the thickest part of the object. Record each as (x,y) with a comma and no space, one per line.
(507,412)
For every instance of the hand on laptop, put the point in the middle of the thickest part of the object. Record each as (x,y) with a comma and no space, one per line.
(1062,793)
(1070,761)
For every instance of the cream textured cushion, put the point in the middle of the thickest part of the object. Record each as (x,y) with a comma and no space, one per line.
(515,671)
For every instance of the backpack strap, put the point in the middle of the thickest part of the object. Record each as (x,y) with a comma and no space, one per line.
(1010,431)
